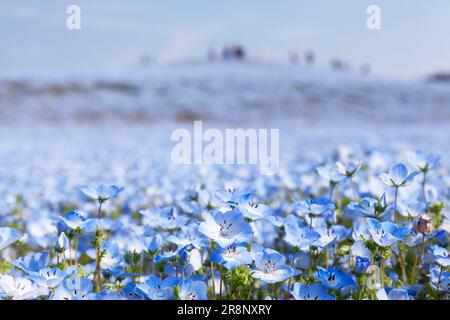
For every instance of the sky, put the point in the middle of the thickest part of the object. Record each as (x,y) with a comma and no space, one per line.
(413,40)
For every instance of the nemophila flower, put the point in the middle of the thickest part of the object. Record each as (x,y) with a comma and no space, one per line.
(398,176)
(439,279)
(154,241)
(62,243)
(264,232)
(271,267)
(423,161)
(348,169)
(302,261)
(8,236)
(74,289)
(167,253)
(111,255)
(297,235)
(330,236)
(393,294)
(190,260)
(440,255)
(333,278)
(33,262)
(193,290)
(189,235)
(19,288)
(254,210)
(358,249)
(101,193)
(368,207)
(382,233)
(233,256)
(332,176)
(314,207)
(52,277)
(74,220)
(226,228)
(416,238)
(130,291)
(233,197)
(412,208)
(361,265)
(163,218)
(315,291)
(244,202)
(155,288)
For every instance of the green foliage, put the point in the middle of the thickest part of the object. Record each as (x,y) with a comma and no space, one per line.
(436,209)
(240,283)
(5,266)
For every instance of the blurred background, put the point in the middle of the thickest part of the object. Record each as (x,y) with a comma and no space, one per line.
(138,69)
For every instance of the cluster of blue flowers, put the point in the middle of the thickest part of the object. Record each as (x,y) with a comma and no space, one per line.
(335,229)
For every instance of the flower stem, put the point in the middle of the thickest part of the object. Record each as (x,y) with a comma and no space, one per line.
(423,186)
(221,282)
(98,235)
(76,249)
(331,190)
(418,261)
(353,189)
(395,204)
(212,273)
(439,279)
(402,265)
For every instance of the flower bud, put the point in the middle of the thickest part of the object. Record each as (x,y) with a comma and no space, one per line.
(424,224)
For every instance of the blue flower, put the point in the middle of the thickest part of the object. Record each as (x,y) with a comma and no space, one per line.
(330,236)
(298,236)
(189,235)
(440,255)
(423,161)
(226,228)
(362,263)
(33,262)
(315,291)
(62,243)
(155,288)
(412,208)
(440,279)
(271,267)
(254,210)
(372,208)
(167,253)
(386,233)
(111,255)
(233,197)
(163,218)
(130,291)
(398,176)
(193,290)
(333,278)
(74,220)
(393,294)
(315,207)
(232,256)
(19,288)
(52,277)
(8,236)
(332,176)
(74,289)
(349,169)
(101,193)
